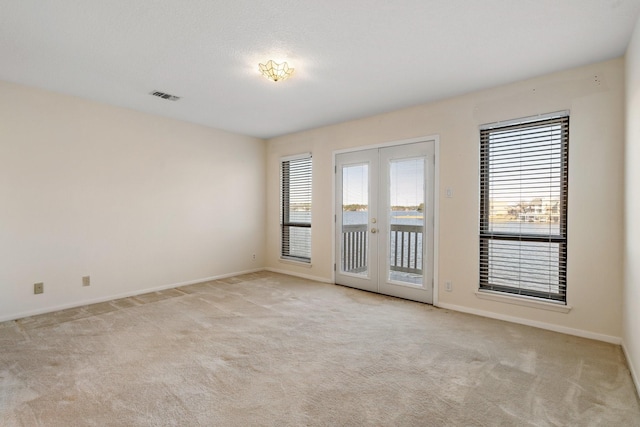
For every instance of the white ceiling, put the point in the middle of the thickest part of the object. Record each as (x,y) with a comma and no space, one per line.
(353,58)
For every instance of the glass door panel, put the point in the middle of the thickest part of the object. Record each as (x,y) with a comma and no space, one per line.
(355,217)
(406,220)
(356,204)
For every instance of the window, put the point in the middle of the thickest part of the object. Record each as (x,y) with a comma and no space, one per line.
(523,207)
(295,208)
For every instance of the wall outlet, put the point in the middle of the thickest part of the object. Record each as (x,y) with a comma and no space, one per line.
(86,280)
(254,256)
(448,286)
(38,288)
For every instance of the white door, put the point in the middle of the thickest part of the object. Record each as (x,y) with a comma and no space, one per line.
(384,220)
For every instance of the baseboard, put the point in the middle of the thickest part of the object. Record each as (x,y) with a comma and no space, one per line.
(542,325)
(121,295)
(301,275)
(634,375)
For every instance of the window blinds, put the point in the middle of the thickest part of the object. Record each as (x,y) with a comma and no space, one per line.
(296,208)
(523,208)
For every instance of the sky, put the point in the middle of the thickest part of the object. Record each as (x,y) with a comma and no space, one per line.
(406,183)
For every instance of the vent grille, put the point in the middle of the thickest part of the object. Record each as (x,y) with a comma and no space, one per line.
(164,95)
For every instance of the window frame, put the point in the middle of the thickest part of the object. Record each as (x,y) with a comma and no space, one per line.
(486,236)
(286,223)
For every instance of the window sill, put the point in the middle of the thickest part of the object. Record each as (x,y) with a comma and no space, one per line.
(523,301)
(294,262)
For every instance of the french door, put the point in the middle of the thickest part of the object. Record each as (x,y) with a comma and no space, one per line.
(384,220)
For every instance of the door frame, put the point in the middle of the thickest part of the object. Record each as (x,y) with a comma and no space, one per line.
(436,199)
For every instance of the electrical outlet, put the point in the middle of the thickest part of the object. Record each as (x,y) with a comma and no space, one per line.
(38,288)
(254,256)
(86,280)
(448,286)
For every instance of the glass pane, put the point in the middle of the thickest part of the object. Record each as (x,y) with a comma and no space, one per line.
(526,266)
(406,219)
(296,242)
(355,217)
(525,180)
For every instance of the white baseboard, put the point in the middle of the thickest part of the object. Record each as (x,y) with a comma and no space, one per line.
(121,295)
(542,325)
(634,375)
(301,275)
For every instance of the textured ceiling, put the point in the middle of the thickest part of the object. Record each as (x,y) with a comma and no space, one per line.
(353,58)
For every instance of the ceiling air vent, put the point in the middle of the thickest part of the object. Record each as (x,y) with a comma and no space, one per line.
(165,95)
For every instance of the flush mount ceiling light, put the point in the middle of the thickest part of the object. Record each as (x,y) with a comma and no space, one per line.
(276,72)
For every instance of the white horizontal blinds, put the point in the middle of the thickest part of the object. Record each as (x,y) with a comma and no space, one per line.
(523,208)
(296,208)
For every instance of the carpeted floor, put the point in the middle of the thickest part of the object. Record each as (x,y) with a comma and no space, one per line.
(268,349)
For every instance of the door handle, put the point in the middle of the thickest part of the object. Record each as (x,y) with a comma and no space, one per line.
(373,230)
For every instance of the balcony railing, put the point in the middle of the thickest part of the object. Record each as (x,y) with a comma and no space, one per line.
(354,248)
(405,246)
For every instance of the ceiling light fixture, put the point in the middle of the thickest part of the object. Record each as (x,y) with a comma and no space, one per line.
(276,72)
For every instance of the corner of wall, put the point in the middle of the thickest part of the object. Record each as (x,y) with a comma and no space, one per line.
(631,245)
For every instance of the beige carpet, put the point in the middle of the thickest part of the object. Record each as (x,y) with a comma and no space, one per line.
(268,349)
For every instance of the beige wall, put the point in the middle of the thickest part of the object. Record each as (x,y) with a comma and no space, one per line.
(595,96)
(631,313)
(135,201)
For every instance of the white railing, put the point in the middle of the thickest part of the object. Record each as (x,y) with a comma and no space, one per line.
(405,244)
